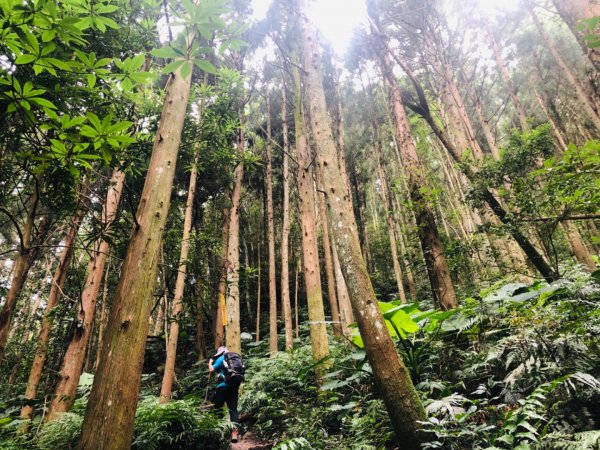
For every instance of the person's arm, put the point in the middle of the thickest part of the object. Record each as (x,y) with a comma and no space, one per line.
(211,368)
(217,364)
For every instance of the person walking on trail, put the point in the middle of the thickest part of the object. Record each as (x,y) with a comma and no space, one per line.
(230,370)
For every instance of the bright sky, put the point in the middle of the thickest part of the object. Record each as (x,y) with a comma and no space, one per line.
(337,19)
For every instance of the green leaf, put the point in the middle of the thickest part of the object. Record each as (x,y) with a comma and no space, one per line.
(164,52)
(91,79)
(42,102)
(25,59)
(205,66)
(173,66)
(74,122)
(186,69)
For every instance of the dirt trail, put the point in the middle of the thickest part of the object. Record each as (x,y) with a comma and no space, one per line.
(250,442)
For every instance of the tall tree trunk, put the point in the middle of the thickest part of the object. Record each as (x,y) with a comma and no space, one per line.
(258,287)
(345,305)
(431,244)
(200,342)
(557,133)
(485,127)
(58,281)
(577,246)
(285,227)
(232,307)
(221,309)
(331,294)
(296,289)
(391,376)
(103,316)
(72,366)
(310,251)
(510,88)
(29,251)
(583,93)
(169,373)
(390,227)
(110,411)
(530,251)
(271,237)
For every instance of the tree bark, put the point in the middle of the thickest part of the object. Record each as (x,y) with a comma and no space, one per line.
(221,309)
(58,281)
(345,306)
(577,246)
(431,244)
(103,316)
(232,306)
(271,237)
(72,366)
(29,251)
(169,374)
(110,411)
(510,88)
(310,251)
(331,294)
(557,133)
(390,227)
(398,393)
(285,227)
(258,284)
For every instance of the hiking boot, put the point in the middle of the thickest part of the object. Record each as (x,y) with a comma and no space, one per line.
(235,435)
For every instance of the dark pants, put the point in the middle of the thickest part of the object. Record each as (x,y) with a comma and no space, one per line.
(229,395)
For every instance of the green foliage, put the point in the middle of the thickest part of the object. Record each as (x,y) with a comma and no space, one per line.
(178,424)
(60,433)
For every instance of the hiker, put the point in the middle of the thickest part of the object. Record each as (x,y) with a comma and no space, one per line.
(230,370)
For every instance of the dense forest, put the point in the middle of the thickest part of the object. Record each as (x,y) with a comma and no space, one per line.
(401,241)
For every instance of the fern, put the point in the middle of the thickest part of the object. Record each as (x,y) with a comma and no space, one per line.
(294,444)
(524,425)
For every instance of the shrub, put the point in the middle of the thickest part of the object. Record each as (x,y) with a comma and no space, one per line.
(178,425)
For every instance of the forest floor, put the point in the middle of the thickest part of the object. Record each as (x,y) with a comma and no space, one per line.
(249,441)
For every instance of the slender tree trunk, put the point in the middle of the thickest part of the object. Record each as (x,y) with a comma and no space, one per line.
(247,286)
(555,129)
(221,310)
(530,251)
(391,376)
(510,88)
(487,131)
(310,251)
(103,316)
(232,330)
(199,316)
(577,246)
(285,228)
(28,252)
(58,281)
(169,374)
(391,231)
(296,289)
(331,294)
(345,305)
(110,411)
(271,237)
(431,244)
(73,360)
(258,283)
(587,102)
